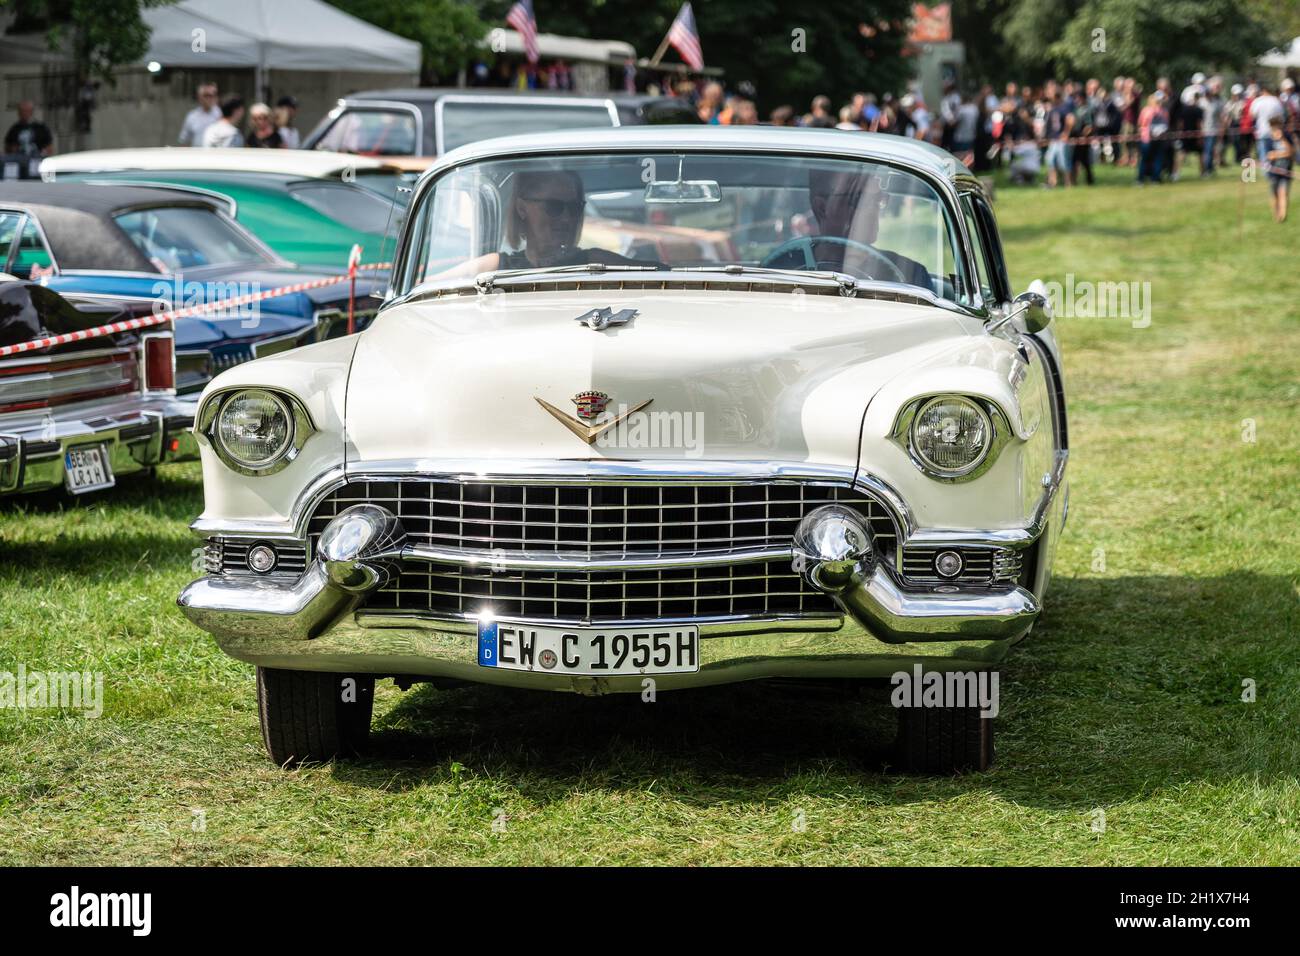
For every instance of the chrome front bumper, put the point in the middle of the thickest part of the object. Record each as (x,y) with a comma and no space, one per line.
(137,433)
(317,622)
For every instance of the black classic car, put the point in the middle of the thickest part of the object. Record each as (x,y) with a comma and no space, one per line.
(78,415)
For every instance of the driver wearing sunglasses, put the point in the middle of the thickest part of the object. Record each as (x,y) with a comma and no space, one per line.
(545,223)
(543,227)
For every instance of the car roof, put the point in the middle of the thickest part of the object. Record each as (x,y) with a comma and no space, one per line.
(96,199)
(311,163)
(75,218)
(884,147)
(426,94)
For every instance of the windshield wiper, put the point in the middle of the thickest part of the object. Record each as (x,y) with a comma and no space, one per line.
(847,284)
(484,281)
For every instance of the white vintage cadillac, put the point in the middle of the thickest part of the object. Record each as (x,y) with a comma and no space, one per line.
(647,409)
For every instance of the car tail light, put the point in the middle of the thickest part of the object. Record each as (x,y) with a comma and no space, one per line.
(159,363)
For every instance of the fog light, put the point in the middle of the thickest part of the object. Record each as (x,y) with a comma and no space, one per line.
(948,564)
(261,558)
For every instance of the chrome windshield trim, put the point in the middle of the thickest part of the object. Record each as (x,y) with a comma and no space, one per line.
(944,187)
(653,280)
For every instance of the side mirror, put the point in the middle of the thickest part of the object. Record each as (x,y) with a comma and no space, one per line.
(1033,311)
(1033,308)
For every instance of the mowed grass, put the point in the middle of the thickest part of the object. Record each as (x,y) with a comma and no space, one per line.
(1175,583)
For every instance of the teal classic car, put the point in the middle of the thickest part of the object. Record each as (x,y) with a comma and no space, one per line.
(310,207)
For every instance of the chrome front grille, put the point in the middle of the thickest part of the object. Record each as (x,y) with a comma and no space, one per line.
(634,519)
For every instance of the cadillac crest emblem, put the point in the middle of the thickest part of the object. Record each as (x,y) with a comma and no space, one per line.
(591,404)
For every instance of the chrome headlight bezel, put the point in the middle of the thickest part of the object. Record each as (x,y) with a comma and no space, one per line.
(300,428)
(995,421)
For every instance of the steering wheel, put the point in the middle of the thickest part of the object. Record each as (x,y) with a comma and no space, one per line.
(806,248)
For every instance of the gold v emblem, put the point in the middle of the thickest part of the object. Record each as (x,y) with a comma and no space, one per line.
(588,433)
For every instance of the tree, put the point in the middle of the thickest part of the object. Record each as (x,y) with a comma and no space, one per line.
(1174,38)
(449,31)
(1032,40)
(100,34)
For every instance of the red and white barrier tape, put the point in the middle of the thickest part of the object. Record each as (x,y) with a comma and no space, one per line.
(146,321)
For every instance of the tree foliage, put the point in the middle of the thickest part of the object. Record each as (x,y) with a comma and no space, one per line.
(448,31)
(100,34)
(1032,40)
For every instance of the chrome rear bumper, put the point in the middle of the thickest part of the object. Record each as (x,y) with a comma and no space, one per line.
(136,432)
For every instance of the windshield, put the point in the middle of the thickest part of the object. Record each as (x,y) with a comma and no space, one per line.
(187,237)
(682,211)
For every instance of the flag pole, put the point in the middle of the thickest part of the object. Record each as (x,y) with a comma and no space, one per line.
(659,53)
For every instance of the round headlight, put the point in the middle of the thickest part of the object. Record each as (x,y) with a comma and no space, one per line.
(254,428)
(951,436)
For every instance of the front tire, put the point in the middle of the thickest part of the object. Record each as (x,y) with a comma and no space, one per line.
(310,716)
(944,740)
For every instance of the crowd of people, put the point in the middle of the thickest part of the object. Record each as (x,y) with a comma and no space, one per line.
(1057,132)
(216,122)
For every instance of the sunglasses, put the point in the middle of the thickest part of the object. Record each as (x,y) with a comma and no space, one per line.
(557,207)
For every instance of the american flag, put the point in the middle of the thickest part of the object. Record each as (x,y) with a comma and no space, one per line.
(521,18)
(686,39)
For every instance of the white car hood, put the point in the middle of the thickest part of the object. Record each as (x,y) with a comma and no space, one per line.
(749,376)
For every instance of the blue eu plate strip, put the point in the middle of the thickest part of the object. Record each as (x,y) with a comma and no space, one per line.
(487,643)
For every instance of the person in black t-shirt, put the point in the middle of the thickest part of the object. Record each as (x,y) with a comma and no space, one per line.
(28,137)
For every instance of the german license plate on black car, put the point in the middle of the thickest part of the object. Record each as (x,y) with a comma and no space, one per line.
(85,468)
(589,651)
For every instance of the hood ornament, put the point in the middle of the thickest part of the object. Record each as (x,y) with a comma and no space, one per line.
(591,405)
(598,320)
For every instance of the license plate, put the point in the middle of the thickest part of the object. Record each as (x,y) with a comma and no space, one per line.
(590,651)
(86,469)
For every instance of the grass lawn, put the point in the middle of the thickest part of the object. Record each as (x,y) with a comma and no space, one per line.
(1176,581)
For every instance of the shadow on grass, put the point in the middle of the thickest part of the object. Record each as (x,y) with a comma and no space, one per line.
(105,550)
(1129,684)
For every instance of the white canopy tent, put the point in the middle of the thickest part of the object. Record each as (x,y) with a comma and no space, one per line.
(551,46)
(279,34)
(1283,59)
